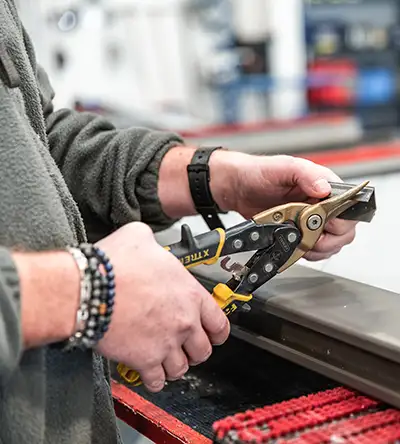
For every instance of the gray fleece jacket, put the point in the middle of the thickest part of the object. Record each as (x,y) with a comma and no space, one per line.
(64,177)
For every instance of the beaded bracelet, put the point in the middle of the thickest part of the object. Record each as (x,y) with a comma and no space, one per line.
(96,307)
(103,293)
(82,313)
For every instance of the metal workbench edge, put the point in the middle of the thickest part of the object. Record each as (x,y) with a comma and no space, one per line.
(342,329)
(358,314)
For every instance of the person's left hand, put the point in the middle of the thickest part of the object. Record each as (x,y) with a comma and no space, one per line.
(265,182)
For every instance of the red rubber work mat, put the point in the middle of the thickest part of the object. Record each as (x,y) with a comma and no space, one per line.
(333,417)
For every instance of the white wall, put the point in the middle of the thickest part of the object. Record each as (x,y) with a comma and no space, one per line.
(152,70)
(288,56)
(165,53)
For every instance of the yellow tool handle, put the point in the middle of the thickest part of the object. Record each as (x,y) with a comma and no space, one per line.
(224,297)
(196,250)
(191,251)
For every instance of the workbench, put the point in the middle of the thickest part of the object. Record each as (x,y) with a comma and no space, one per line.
(307,331)
(239,376)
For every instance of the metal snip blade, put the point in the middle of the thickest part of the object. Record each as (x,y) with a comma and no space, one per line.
(364,207)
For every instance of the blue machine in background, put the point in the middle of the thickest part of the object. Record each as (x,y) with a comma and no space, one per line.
(365,35)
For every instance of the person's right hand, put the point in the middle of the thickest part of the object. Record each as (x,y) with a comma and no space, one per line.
(163,319)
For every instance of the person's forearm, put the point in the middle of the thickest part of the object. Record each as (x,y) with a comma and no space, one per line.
(49,287)
(173,185)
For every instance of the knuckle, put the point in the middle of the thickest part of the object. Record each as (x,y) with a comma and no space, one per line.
(154,379)
(321,246)
(301,162)
(222,325)
(352,236)
(183,369)
(156,386)
(150,362)
(219,331)
(185,324)
(179,372)
(223,337)
(207,354)
(140,228)
(330,175)
(287,159)
(338,227)
(313,256)
(202,357)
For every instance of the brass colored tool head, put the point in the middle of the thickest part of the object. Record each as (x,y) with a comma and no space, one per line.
(309,219)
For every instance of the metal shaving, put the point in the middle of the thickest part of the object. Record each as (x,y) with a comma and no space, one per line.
(194,381)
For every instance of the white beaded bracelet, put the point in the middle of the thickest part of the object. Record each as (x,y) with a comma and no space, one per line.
(82,314)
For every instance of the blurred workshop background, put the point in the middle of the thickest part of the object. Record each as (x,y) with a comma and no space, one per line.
(312,78)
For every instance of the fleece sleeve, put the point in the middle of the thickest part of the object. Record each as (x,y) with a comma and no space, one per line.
(111,173)
(10,319)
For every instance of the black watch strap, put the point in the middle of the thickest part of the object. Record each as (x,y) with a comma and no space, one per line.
(199,183)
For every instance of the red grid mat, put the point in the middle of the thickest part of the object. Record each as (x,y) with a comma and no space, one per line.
(334,416)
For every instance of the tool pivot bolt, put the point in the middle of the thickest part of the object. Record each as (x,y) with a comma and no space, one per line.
(253,278)
(277,216)
(237,244)
(268,268)
(254,236)
(292,237)
(314,222)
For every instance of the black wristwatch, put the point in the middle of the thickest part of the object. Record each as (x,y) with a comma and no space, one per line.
(199,183)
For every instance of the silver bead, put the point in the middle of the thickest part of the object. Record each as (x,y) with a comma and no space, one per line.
(93,264)
(87,342)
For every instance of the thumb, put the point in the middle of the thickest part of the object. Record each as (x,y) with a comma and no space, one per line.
(314,179)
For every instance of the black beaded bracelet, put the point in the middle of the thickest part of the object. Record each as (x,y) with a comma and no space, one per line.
(101,300)
(107,286)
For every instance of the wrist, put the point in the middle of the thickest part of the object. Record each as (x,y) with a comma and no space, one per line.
(173,183)
(224,167)
(173,187)
(49,287)
(97,296)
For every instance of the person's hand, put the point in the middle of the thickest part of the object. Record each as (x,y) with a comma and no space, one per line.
(264,182)
(163,319)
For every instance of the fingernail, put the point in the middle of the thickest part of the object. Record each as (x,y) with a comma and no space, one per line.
(322,186)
